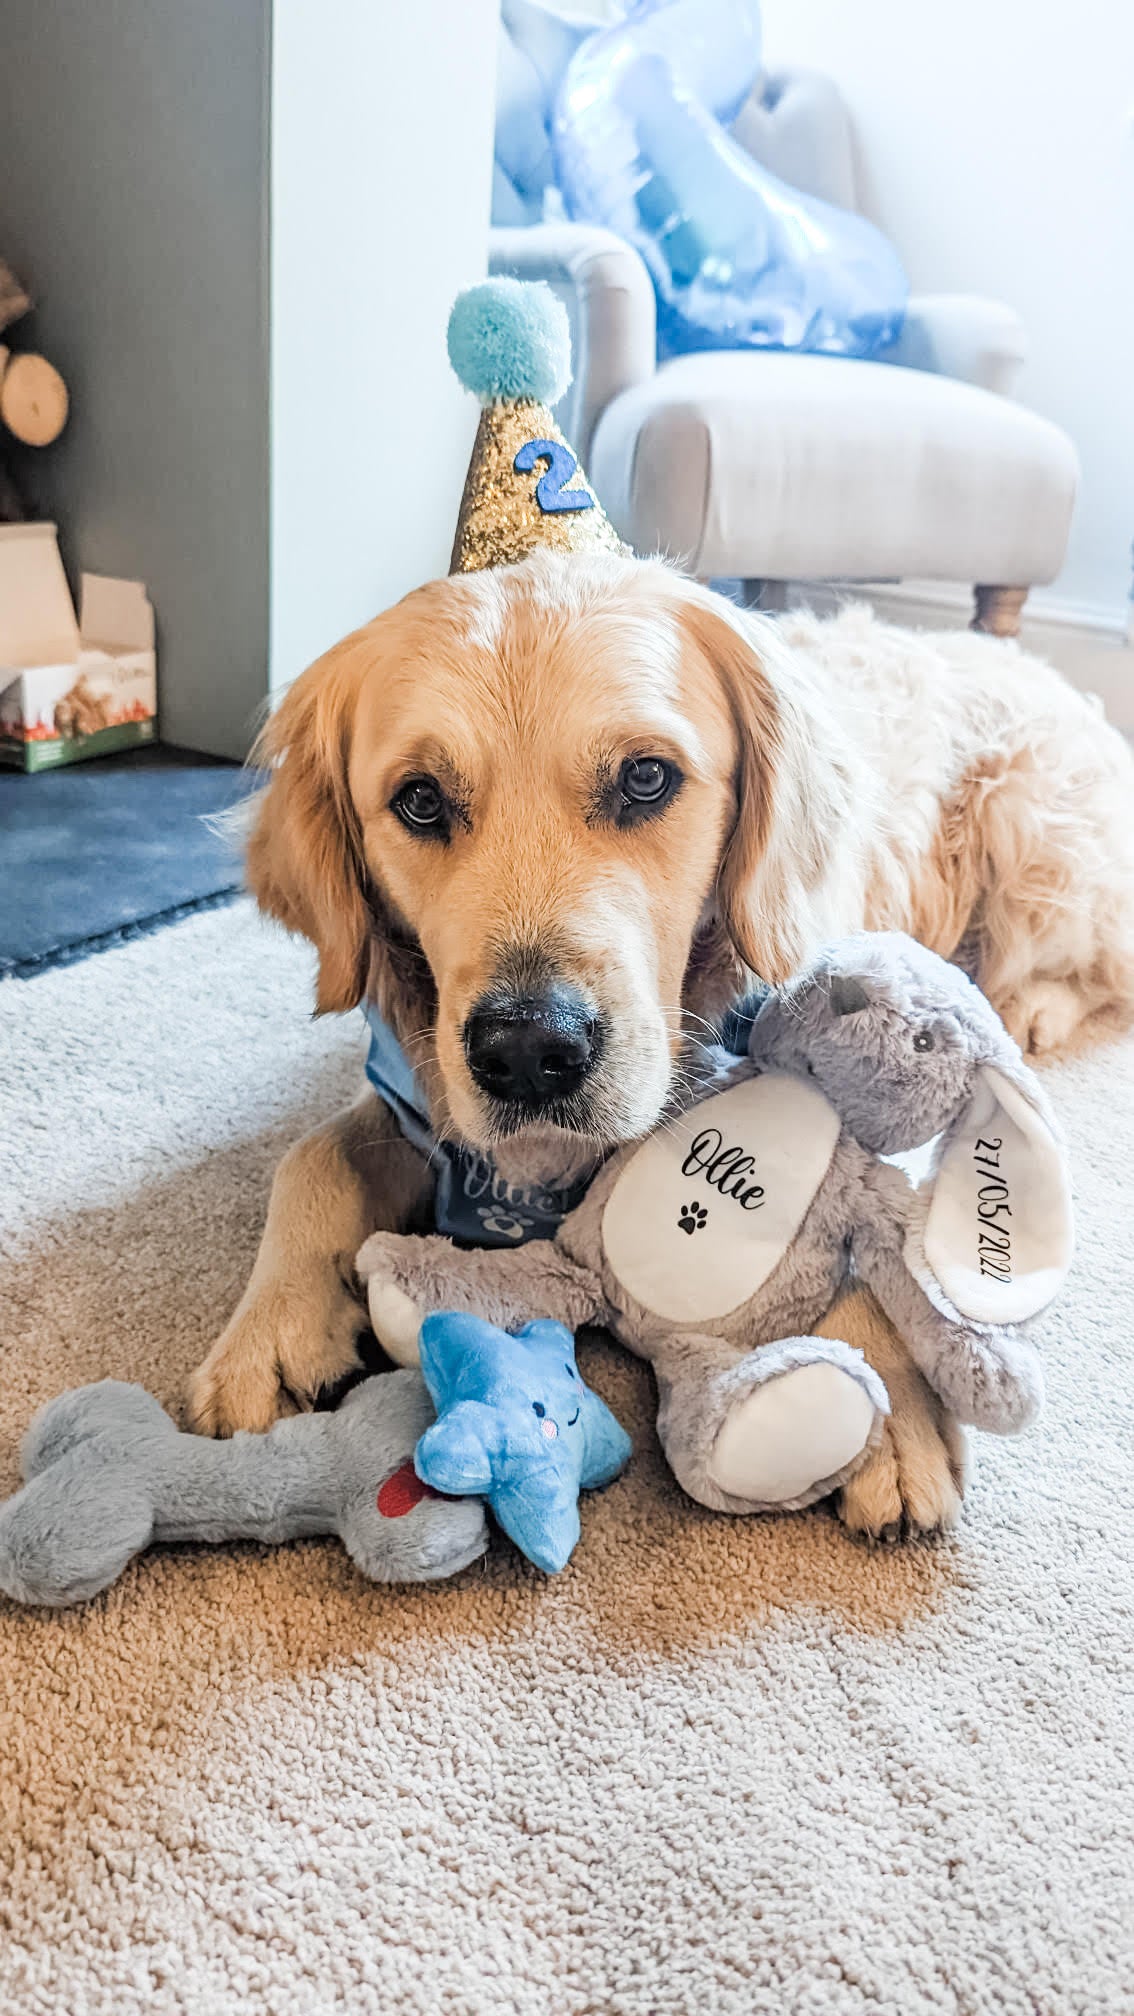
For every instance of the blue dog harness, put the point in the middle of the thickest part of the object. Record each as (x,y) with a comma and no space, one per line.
(473,1203)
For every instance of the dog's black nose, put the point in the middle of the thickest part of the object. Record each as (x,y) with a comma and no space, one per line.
(531,1049)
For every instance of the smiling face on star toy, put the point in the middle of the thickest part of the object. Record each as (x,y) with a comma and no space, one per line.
(517,1426)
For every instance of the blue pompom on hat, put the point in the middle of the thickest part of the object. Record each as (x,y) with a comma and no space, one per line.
(510,339)
(510,344)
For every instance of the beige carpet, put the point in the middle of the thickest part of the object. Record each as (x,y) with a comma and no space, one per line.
(716,1766)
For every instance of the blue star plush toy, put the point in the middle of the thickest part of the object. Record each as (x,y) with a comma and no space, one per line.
(516,1425)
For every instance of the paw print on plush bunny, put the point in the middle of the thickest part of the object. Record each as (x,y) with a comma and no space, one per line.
(692,1218)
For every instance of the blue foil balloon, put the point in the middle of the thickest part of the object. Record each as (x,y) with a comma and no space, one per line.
(738,258)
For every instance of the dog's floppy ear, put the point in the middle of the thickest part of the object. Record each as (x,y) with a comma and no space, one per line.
(305,864)
(776,852)
(998,1233)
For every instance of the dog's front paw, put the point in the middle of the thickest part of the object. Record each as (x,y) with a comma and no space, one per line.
(282,1349)
(912,1484)
(235,1388)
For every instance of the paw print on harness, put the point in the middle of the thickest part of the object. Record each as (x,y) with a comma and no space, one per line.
(503,1223)
(692,1218)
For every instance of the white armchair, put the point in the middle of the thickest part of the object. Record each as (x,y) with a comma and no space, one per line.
(777,467)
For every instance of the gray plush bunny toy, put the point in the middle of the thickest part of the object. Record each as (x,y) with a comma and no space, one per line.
(713,1248)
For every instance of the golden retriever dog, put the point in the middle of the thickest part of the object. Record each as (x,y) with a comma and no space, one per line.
(550,818)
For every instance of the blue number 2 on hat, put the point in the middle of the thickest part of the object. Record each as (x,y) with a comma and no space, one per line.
(561,466)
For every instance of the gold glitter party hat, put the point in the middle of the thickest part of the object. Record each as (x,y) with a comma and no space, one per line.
(510,344)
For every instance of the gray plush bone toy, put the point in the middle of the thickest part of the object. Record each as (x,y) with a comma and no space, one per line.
(109,1473)
(713,1248)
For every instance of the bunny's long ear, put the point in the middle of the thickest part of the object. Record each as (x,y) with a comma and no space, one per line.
(998,1233)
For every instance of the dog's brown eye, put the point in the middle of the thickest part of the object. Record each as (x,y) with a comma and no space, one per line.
(923,1040)
(420,805)
(645,779)
(640,789)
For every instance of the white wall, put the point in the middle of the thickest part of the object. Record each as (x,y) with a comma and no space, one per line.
(997,141)
(382,117)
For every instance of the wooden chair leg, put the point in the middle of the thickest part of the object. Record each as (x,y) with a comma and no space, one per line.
(998,610)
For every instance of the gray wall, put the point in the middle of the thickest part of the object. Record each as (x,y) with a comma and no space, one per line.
(133,199)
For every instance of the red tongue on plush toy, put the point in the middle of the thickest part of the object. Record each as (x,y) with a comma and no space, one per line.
(402,1491)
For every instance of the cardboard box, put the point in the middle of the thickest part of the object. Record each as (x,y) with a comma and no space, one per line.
(70,689)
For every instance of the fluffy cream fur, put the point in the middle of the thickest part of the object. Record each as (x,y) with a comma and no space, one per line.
(990,812)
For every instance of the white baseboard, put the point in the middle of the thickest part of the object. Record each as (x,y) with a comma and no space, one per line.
(1089,646)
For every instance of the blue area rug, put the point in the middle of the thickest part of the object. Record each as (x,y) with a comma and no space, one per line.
(104,851)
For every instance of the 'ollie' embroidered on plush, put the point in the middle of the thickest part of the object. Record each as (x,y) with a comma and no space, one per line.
(707,1208)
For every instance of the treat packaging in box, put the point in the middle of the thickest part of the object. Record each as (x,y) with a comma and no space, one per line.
(70,688)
